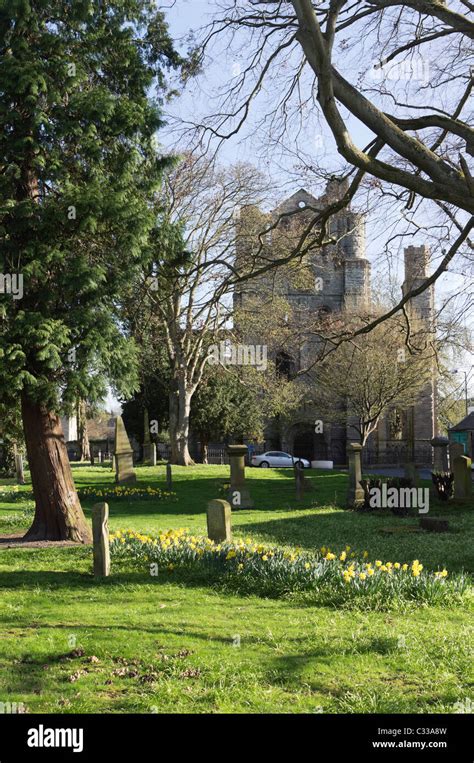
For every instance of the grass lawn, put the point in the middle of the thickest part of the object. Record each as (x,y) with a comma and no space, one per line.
(133,643)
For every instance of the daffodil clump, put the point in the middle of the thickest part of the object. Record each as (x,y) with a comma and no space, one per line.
(250,566)
(115,492)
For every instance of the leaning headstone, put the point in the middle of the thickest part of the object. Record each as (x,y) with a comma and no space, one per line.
(455,449)
(355,492)
(169,477)
(440,446)
(239,495)
(462,478)
(100,539)
(219,528)
(123,452)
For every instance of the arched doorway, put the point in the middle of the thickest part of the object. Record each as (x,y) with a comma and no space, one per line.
(309,444)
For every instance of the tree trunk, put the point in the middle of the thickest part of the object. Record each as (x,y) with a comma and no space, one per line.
(82,435)
(180,408)
(58,512)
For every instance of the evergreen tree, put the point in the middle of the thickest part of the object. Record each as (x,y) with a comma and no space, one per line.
(78,167)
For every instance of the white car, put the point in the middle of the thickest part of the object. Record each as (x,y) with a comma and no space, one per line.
(278,458)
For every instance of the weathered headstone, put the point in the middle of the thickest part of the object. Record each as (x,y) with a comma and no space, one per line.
(355,492)
(462,478)
(434,524)
(147,443)
(100,539)
(20,474)
(411,473)
(123,452)
(169,477)
(152,454)
(219,527)
(455,449)
(239,496)
(440,446)
(114,463)
(100,456)
(299,483)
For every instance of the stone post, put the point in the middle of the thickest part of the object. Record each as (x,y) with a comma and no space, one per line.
(239,496)
(440,445)
(152,454)
(219,527)
(462,478)
(299,483)
(123,452)
(355,492)
(100,539)
(169,477)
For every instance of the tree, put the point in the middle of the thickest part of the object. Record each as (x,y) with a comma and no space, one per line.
(363,379)
(185,302)
(224,407)
(78,168)
(399,69)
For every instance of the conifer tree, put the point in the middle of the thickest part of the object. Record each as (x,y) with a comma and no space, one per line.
(78,169)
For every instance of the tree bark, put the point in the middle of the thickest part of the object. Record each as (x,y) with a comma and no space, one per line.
(58,512)
(82,435)
(180,408)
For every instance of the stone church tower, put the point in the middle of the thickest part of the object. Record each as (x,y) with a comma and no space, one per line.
(341,283)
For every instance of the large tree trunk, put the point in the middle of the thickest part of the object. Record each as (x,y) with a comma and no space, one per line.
(58,512)
(82,435)
(180,408)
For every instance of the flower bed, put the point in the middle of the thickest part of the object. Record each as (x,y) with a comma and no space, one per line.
(117,492)
(250,566)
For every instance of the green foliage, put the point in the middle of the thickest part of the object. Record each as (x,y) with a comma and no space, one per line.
(226,405)
(79,168)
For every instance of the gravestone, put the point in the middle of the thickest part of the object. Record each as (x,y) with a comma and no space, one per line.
(455,449)
(147,443)
(124,472)
(20,474)
(100,539)
(299,483)
(169,477)
(92,457)
(355,492)
(114,463)
(411,473)
(239,496)
(219,527)
(440,446)
(462,478)
(100,456)
(152,454)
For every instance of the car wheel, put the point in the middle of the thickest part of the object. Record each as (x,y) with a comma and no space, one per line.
(299,464)
(264,465)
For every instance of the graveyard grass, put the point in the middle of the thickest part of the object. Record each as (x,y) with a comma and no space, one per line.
(165,644)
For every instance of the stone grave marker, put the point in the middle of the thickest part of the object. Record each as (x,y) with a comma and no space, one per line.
(462,478)
(123,452)
(219,527)
(355,492)
(239,496)
(100,539)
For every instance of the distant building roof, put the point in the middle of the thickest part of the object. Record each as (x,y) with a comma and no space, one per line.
(466,423)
